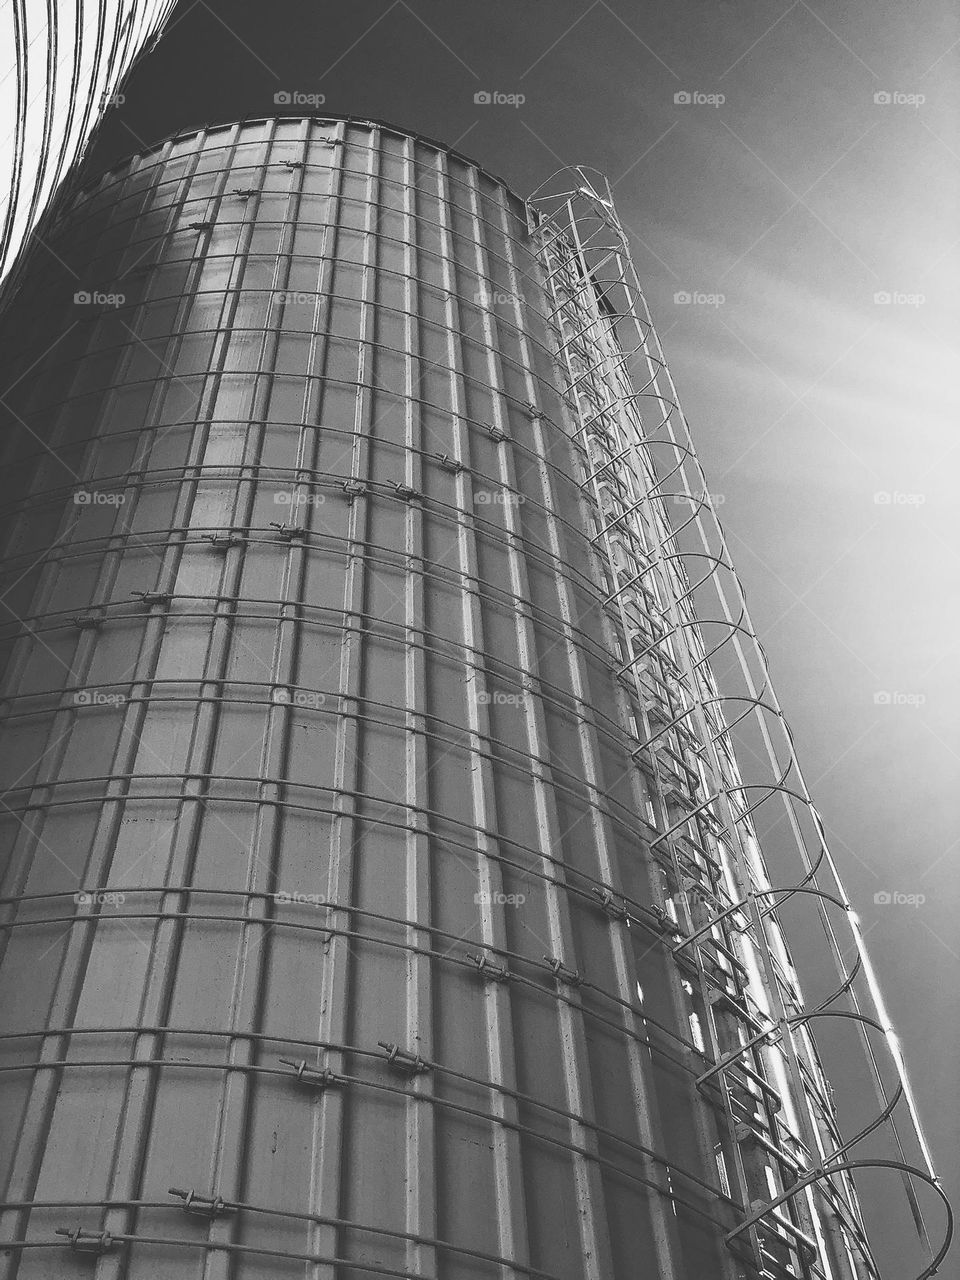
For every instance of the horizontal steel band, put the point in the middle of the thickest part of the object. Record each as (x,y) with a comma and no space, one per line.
(331,931)
(83,546)
(341,1078)
(236,217)
(518,444)
(266,1211)
(495,750)
(312,480)
(285,1074)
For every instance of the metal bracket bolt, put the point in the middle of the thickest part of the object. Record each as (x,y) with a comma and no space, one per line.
(82,1241)
(353,489)
(663,922)
(496,434)
(87,621)
(488,969)
(562,973)
(287,532)
(617,910)
(316,1077)
(408,1063)
(449,464)
(152,597)
(223,542)
(405,492)
(202,1206)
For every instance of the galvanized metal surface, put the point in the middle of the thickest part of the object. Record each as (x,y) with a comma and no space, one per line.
(362,921)
(62,65)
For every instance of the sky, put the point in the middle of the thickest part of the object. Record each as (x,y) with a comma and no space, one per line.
(788,174)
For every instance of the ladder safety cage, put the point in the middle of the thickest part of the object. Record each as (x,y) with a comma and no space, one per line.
(677,607)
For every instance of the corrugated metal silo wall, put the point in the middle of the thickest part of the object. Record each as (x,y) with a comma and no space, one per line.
(313,704)
(61,68)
